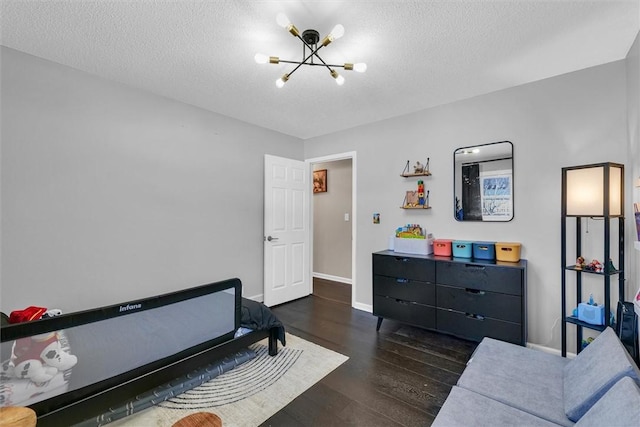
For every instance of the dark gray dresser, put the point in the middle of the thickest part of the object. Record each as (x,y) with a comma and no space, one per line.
(463,297)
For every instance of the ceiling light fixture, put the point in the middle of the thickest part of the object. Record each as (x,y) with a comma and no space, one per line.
(310,48)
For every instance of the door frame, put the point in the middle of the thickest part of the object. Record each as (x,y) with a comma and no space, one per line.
(331,158)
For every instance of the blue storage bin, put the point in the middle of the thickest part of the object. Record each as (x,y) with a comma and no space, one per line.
(484,250)
(462,249)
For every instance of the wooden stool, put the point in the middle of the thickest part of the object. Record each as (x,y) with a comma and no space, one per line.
(16,416)
(199,419)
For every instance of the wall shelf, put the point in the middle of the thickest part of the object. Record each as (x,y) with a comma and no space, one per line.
(415,207)
(419,170)
(409,175)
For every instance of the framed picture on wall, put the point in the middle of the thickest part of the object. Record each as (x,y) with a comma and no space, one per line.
(320,181)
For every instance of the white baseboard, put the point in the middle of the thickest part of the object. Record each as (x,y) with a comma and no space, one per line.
(259,298)
(332,278)
(549,350)
(364,307)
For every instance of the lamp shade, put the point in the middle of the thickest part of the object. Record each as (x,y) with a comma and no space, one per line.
(593,190)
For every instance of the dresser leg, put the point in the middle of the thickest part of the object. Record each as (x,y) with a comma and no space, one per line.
(379,323)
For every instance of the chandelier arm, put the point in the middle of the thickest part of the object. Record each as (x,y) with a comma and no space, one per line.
(311,63)
(304,61)
(314,52)
(294,70)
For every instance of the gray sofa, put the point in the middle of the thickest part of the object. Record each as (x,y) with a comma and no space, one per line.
(507,385)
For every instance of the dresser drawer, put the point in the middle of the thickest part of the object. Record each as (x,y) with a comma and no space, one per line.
(488,304)
(404,267)
(404,311)
(477,276)
(474,328)
(405,289)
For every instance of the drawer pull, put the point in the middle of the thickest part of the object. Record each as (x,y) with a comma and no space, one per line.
(403,302)
(402,259)
(475,316)
(474,267)
(474,291)
(402,280)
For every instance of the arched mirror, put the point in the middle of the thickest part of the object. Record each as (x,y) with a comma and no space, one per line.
(483,182)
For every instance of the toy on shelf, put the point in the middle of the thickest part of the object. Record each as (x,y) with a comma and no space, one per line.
(592,313)
(594,266)
(417,199)
(419,169)
(586,342)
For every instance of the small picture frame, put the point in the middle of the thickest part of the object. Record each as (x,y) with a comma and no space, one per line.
(320,181)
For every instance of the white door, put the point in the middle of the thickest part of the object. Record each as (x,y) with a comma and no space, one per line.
(287,274)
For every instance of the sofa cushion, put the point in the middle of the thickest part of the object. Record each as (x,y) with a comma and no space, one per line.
(594,371)
(465,408)
(526,379)
(619,407)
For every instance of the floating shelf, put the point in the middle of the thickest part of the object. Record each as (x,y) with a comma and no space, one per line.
(409,175)
(415,207)
(425,171)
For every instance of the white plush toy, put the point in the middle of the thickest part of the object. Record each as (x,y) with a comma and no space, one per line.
(38,358)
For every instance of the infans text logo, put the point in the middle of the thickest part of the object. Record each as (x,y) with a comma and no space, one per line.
(129,307)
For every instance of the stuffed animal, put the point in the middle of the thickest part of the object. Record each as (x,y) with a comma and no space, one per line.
(38,358)
(418,168)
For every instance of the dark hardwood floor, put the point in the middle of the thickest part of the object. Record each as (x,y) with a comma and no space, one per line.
(334,291)
(399,376)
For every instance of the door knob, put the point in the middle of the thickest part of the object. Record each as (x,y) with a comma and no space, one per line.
(271,238)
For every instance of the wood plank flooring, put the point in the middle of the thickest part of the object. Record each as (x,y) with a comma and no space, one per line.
(334,291)
(399,376)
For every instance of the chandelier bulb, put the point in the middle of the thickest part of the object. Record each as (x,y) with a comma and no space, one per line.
(337,32)
(261,58)
(338,77)
(282,80)
(360,67)
(282,20)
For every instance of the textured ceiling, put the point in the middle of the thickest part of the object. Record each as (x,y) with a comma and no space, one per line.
(419,53)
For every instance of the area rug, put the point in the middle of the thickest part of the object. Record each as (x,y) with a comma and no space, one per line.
(251,393)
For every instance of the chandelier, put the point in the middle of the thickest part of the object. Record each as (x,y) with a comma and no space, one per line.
(311,44)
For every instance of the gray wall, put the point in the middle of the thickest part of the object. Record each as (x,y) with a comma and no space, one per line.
(573,119)
(110,193)
(633,162)
(331,233)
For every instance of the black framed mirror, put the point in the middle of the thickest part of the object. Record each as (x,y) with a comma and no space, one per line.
(483,182)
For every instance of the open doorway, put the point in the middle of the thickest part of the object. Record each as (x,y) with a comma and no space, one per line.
(333,227)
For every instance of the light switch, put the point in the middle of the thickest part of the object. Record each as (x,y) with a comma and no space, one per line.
(346,216)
